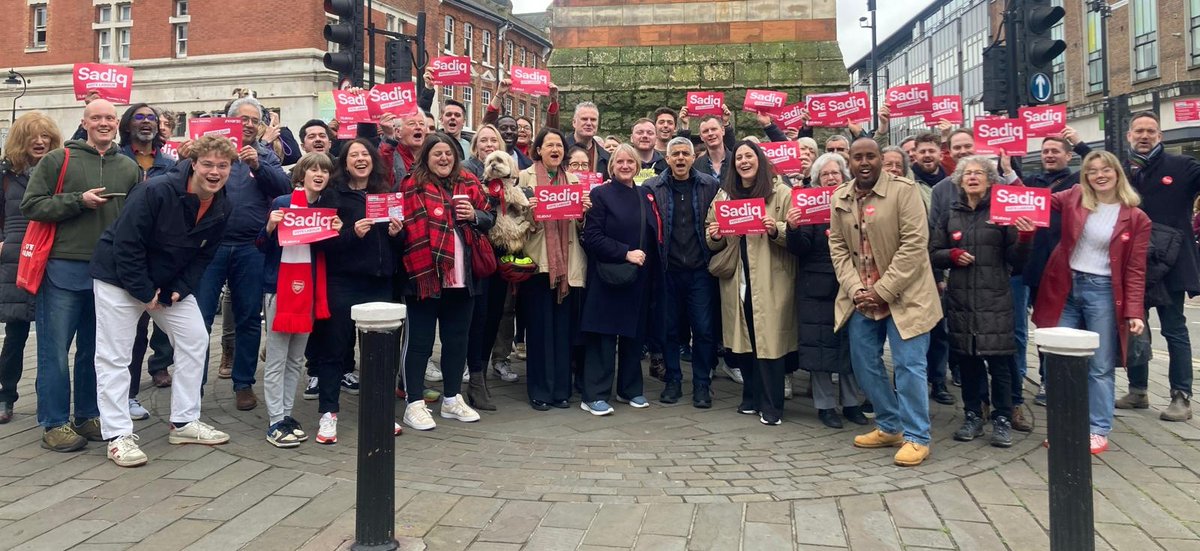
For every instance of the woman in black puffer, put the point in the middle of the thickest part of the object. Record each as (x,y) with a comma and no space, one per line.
(31,137)
(981,257)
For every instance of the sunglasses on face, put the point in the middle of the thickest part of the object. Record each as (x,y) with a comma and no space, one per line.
(139,117)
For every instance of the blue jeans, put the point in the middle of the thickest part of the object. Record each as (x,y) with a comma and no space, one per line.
(690,295)
(1174,331)
(1090,306)
(937,359)
(1020,296)
(242,267)
(64,315)
(905,406)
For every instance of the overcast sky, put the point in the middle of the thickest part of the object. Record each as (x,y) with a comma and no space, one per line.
(855,42)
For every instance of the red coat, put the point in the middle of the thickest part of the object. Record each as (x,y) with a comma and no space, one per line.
(1127,256)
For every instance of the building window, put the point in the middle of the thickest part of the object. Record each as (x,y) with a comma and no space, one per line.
(1194,30)
(1095,69)
(448,39)
(104,45)
(447,92)
(114,31)
(521,108)
(181,31)
(524,59)
(123,44)
(468,97)
(38,32)
(468,40)
(487,46)
(1145,38)
(181,8)
(510,54)
(485,96)
(508,105)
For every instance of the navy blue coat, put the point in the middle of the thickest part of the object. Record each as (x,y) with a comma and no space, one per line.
(704,189)
(610,230)
(1168,185)
(157,243)
(162,163)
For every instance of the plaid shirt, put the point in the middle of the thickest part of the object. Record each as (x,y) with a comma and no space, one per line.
(868,271)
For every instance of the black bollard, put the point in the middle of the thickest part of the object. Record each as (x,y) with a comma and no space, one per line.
(1070,461)
(379,333)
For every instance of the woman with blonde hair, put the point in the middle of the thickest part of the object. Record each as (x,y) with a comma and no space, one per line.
(1096,276)
(31,137)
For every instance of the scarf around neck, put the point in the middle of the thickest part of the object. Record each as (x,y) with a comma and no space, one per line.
(558,236)
(429,238)
(1138,161)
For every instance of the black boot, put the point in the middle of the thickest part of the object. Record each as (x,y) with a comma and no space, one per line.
(671,393)
(701,397)
(830,418)
(939,394)
(478,395)
(855,415)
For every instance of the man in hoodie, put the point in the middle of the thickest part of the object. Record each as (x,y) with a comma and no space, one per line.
(255,179)
(95,178)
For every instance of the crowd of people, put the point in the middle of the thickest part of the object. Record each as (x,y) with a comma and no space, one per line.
(143,247)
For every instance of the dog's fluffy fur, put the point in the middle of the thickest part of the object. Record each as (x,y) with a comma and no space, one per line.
(511,225)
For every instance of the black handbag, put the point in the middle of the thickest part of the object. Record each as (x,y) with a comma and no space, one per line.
(623,274)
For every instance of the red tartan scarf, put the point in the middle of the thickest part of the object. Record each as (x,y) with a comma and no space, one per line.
(300,290)
(429,230)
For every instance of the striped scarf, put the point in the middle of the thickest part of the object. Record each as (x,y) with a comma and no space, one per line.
(1138,161)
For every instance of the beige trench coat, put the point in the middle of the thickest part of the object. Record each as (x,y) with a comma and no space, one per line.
(772,285)
(535,245)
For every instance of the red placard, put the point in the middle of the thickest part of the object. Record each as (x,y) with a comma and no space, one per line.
(111,82)
(764,101)
(229,127)
(740,216)
(591,180)
(834,109)
(347,131)
(1008,203)
(912,100)
(813,203)
(1187,110)
(948,108)
(304,226)
(381,207)
(790,116)
(535,82)
(451,70)
(784,156)
(700,104)
(397,98)
(994,135)
(350,106)
(559,202)
(1044,120)
(170,150)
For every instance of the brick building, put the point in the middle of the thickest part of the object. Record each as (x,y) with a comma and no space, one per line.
(190,55)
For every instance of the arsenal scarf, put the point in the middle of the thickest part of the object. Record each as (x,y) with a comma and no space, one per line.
(299,296)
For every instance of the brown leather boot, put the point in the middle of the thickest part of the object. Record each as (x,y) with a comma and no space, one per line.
(478,395)
(1019,422)
(226,369)
(1180,408)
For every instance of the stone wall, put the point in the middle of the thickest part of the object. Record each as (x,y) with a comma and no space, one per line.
(631,82)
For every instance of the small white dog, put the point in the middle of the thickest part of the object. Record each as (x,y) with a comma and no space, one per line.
(508,234)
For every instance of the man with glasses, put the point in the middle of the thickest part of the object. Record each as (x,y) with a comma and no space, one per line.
(838,143)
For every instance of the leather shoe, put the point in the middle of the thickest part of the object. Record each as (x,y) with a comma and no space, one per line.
(539,405)
(561,404)
(6,412)
(701,397)
(246,400)
(855,415)
(830,418)
(940,395)
(162,379)
(671,393)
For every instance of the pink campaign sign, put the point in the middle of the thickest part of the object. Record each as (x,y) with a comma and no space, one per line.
(451,70)
(813,203)
(913,100)
(700,104)
(112,82)
(784,156)
(535,82)
(224,126)
(995,135)
(836,108)
(350,106)
(1044,120)
(1008,203)
(948,108)
(302,226)
(764,101)
(741,216)
(397,98)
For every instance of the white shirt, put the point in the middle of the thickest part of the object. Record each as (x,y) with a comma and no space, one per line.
(1091,252)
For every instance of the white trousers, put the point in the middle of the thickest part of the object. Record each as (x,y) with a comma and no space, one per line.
(285,358)
(117,314)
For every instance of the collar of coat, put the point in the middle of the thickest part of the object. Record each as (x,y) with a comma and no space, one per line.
(882,186)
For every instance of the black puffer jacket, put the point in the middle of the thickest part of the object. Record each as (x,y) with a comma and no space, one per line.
(821,350)
(15,303)
(978,296)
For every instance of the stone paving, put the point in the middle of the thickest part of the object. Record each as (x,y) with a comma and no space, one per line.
(669,477)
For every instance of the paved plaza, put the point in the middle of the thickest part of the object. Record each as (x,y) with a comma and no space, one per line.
(663,478)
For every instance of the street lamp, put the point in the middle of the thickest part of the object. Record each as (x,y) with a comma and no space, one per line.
(15,78)
(862,22)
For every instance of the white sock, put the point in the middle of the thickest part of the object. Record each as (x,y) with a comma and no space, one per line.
(449,400)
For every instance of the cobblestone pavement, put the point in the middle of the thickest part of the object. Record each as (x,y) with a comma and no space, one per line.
(668,477)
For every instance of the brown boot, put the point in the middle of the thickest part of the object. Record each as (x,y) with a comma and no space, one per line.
(1019,422)
(1135,399)
(246,400)
(478,395)
(1180,408)
(226,369)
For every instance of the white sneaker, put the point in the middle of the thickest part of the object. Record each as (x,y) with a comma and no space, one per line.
(433,372)
(504,370)
(417,416)
(327,429)
(197,432)
(125,452)
(136,411)
(732,372)
(397,431)
(466,378)
(459,410)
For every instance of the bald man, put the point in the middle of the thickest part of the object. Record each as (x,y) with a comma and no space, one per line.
(95,181)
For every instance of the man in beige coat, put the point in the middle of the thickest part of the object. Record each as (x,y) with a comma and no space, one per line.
(878,240)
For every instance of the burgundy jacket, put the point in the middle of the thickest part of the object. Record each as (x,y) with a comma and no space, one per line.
(1127,256)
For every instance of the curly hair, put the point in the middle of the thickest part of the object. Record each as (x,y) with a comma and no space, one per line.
(27,128)
(212,144)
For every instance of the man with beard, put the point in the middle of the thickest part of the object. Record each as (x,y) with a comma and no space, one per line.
(584,123)
(642,138)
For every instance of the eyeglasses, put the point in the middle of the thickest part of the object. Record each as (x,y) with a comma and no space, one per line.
(828,175)
(251,120)
(836,149)
(139,117)
(974,173)
(578,166)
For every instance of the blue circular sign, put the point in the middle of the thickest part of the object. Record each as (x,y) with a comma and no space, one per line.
(1040,87)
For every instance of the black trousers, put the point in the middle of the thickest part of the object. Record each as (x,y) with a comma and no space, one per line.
(548,339)
(762,387)
(333,339)
(12,359)
(974,383)
(485,322)
(450,315)
(163,357)
(609,356)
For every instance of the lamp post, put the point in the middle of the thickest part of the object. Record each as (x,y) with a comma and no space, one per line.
(15,78)
(862,22)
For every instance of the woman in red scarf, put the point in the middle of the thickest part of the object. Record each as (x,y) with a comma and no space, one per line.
(550,300)
(445,212)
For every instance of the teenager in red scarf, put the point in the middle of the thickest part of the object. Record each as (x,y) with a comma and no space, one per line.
(550,300)
(445,211)
(294,296)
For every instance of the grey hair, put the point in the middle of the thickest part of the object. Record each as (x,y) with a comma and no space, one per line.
(993,175)
(625,149)
(680,140)
(903,156)
(585,105)
(238,103)
(809,143)
(814,172)
(836,138)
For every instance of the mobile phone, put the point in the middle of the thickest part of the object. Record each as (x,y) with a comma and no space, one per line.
(111,195)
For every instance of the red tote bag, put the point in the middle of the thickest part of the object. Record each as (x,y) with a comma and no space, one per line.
(39,239)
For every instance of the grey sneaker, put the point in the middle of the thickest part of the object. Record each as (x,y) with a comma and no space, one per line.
(1001,433)
(504,370)
(197,432)
(1180,408)
(732,372)
(971,428)
(1134,399)
(136,411)
(63,439)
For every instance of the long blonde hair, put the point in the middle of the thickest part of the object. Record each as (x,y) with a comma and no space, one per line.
(1126,195)
(26,129)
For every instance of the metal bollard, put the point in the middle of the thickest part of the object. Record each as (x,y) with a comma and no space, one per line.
(379,326)
(1070,460)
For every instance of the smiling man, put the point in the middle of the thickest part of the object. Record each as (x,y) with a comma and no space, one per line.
(585,123)
(453,121)
(95,177)
(643,136)
(149,261)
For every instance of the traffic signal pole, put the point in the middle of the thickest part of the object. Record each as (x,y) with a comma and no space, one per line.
(1012,18)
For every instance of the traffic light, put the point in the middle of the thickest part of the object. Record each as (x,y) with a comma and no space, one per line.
(996,78)
(1040,49)
(397,61)
(347,33)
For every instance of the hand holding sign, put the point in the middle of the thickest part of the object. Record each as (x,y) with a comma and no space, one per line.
(535,82)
